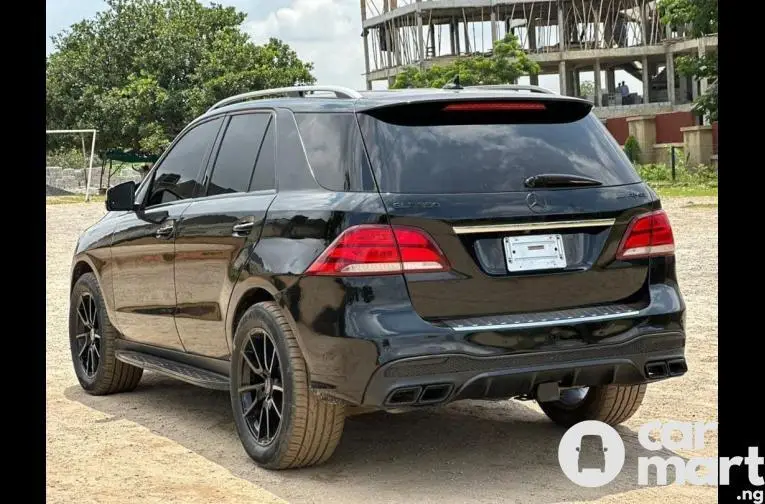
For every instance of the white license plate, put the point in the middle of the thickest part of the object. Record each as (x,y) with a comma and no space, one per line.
(534,252)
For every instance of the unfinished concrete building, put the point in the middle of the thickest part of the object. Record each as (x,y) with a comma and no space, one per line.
(565,37)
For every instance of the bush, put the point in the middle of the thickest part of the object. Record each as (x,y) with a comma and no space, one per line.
(661,174)
(70,158)
(632,149)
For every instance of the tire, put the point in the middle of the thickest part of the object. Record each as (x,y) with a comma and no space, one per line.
(611,404)
(99,372)
(309,429)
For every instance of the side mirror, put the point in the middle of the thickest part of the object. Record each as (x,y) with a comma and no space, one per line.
(121,197)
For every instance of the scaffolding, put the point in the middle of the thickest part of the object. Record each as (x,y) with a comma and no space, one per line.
(565,37)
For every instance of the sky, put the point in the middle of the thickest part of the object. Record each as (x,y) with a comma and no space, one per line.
(326,32)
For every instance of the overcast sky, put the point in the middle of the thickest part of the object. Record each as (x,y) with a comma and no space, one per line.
(326,32)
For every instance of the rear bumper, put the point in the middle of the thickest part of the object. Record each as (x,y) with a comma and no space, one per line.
(439,379)
(364,340)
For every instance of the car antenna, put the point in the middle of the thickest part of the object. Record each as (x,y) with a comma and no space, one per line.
(454,83)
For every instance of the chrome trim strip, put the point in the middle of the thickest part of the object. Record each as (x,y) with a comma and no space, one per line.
(534,226)
(546,323)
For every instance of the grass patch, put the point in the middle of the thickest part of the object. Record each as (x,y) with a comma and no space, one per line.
(679,191)
(688,181)
(75,198)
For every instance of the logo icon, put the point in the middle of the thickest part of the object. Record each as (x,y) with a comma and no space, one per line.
(536,202)
(591,454)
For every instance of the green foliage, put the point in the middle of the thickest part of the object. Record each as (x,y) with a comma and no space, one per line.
(507,62)
(70,157)
(703,17)
(587,88)
(701,14)
(661,175)
(632,149)
(142,69)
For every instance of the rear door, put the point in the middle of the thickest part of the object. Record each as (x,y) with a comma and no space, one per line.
(459,170)
(216,233)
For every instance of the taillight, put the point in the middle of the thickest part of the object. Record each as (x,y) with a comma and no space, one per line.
(647,235)
(492,106)
(371,249)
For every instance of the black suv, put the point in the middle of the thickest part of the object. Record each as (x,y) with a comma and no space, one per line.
(315,255)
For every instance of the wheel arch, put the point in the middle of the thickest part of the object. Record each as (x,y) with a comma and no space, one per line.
(250,291)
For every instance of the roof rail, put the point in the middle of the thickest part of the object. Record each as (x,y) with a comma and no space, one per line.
(514,87)
(293,91)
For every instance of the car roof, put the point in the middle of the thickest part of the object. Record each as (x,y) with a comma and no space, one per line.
(382,98)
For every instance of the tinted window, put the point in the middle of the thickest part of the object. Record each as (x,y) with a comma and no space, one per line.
(177,177)
(236,157)
(428,156)
(335,151)
(264,169)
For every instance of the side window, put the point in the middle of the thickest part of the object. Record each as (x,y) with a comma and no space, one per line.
(264,169)
(335,151)
(236,157)
(177,177)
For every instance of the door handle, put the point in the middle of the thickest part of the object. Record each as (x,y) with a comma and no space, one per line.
(166,229)
(243,227)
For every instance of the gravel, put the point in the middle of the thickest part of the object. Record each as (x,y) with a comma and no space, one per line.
(172,442)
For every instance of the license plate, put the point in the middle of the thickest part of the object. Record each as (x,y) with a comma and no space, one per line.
(534,252)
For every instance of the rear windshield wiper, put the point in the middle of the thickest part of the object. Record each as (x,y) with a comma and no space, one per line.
(559,180)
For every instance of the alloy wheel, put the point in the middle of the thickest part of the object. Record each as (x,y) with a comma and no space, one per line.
(261,387)
(88,334)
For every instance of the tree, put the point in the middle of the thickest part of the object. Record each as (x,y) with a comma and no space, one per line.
(142,69)
(587,88)
(507,62)
(702,17)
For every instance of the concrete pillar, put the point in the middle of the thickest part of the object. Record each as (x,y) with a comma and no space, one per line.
(611,80)
(646,81)
(643,24)
(670,71)
(562,77)
(457,37)
(432,35)
(643,128)
(697,145)
(576,82)
(365,35)
(494,36)
(598,100)
(682,90)
(703,83)
(531,34)
(451,38)
(694,89)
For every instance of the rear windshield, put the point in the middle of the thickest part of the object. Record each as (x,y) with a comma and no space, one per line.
(426,156)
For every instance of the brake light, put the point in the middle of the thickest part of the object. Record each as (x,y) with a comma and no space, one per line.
(492,106)
(648,235)
(372,249)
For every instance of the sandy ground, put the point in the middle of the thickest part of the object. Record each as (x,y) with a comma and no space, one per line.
(172,442)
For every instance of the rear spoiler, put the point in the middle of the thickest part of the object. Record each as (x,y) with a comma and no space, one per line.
(477,107)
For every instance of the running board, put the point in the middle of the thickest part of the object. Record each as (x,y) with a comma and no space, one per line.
(173,369)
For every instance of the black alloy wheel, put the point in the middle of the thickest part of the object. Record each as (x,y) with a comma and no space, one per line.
(88,334)
(261,387)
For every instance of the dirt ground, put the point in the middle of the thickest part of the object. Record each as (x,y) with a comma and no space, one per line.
(171,442)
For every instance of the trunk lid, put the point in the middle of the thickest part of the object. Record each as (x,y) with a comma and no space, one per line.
(461,173)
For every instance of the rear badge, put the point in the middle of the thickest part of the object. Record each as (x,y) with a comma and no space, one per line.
(536,202)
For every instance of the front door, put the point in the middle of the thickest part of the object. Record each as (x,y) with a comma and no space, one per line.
(217,233)
(143,248)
